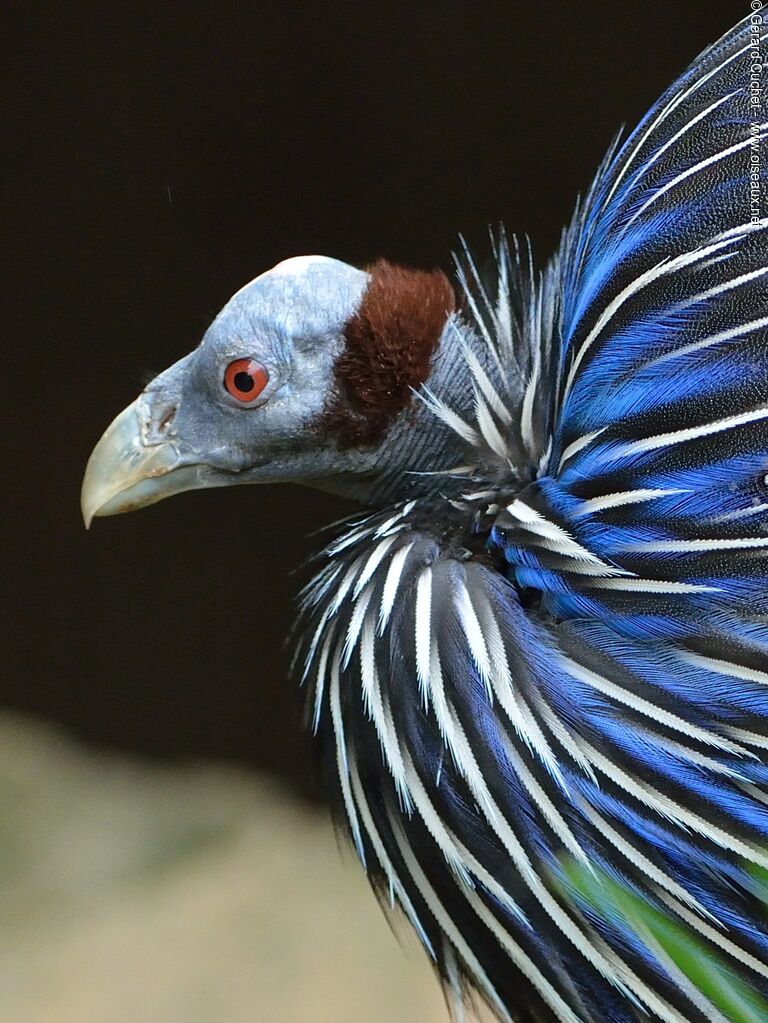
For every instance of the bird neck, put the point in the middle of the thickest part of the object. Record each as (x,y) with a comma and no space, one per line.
(419,454)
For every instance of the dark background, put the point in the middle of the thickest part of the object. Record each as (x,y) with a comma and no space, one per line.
(168,152)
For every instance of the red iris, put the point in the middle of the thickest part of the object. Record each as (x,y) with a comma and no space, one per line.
(245,379)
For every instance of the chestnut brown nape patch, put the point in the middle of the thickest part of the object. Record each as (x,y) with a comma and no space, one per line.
(389,345)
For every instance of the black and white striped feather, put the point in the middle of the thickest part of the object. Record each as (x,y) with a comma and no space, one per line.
(544,702)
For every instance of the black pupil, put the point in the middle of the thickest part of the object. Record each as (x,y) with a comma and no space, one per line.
(244,381)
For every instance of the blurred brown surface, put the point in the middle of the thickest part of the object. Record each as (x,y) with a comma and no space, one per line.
(199,894)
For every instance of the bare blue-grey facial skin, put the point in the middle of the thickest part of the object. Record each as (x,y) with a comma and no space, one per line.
(186,431)
(291,321)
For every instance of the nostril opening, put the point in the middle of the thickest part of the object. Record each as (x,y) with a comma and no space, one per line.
(167,418)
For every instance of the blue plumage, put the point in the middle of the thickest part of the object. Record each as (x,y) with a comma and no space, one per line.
(548,729)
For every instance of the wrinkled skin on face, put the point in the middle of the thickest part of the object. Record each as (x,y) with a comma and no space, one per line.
(187,431)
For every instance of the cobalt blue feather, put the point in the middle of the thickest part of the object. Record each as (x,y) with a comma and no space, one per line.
(544,703)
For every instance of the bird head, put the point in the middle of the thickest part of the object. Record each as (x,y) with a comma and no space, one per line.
(308,375)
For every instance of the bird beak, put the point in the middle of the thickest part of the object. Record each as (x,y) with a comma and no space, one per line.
(128,469)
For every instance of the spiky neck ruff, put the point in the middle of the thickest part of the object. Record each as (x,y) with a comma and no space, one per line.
(416,370)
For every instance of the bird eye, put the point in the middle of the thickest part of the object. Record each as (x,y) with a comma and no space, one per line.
(245,380)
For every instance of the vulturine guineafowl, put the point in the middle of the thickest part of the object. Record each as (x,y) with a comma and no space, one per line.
(538,663)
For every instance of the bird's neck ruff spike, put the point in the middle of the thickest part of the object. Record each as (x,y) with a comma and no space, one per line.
(445,395)
(405,340)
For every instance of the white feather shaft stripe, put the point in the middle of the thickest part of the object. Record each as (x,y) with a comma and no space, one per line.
(454,736)
(650,586)
(695,169)
(439,832)
(373,562)
(465,865)
(645,707)
(382,720)
(526,413)
(319,633)
(510,699)
(720,289)
(355,625)
(489,429)
(693,546)
(347,540)
(544,805)
(682,131)
(709,342)
(322,666)
(624,497)
(664,440)
(528,968)
(679,978)
(386,864)
(473,630)
(641,862)
(743,513)
(342,758)
(666,807)
(392,583)
(578,445)
(711,934)
(451,419)
(487,388)
(662,269)
(674,103)
(443,918)
(344,586)
(456,1000)
(566,738)
(720,667)
(432,819)
(536,523)
(759,225)
(423,627)
(574,555)
(747,738)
